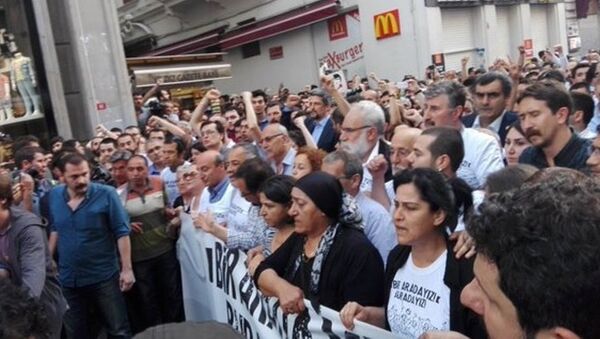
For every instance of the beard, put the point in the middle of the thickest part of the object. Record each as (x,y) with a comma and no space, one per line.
(359,147)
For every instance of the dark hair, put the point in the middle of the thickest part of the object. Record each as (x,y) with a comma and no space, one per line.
(157,130)
(109,141)
(578,66)
(124,135)
(278,189)
(591,73)
(578,86)
(139,156)
(554,96)
(337,116)
(544,238)
(180,145)
(273,104)
(116,130)
(434,190)
(21,316)
(490,77)
(553,75)
(260,93)
(509,178)
(71,158)
(321,94)
(26,154)
(71,143)
(516,125)
(254,172)
(585,103)
(24,141)
(297,138)
(218,125)
(447,141)
(56,139)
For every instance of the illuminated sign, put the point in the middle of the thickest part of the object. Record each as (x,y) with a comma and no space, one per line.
(387,24)
(337,28)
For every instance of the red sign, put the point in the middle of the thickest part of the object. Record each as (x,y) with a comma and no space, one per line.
(528,45)
(387,24)
(337,28)
(276,52)
(101,106)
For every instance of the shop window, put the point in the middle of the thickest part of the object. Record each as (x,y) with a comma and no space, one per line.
(251,49)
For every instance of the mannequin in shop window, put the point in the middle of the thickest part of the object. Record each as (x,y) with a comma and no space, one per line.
(5,98)
(22,78)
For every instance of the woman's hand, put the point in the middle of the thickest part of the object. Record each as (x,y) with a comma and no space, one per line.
(205,221)
(465,246)
(351,311)
(255,257)
(291,299)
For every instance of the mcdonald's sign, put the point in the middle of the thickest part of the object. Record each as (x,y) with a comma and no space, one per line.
(337,28)
(387,24)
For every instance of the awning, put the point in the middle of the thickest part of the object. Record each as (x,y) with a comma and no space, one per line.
(190,45)
(300,17)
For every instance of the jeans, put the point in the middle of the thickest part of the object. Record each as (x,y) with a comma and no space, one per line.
(158,290)
(106,299)
(29,96)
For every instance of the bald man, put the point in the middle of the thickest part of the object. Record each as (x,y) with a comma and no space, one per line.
(218,192)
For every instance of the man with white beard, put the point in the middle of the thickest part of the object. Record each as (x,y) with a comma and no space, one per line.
(362,134)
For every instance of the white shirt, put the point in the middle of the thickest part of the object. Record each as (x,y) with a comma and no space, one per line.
(494,126)
(366,185)
(379,228)
(419,300)
(482,157)
(219,209)
(169,178)
(237,218)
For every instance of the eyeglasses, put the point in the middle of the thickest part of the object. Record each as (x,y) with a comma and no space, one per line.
(188,176)
(351,130)
(269,138)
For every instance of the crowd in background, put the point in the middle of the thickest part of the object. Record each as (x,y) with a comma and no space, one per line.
(457,204)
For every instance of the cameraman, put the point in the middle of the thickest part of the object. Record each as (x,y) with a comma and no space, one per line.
(30,161)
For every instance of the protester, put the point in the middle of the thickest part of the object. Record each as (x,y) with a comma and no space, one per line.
(423,261)
(307,160)
(118,170)
(88,265)
(516,142)
(239,207)
(323,259)
(22,315)
(509,178)
(190,186)
(24,254)
(158,284)
(216,196)
(173,152)
(276,143)
(537,223)
(544,111)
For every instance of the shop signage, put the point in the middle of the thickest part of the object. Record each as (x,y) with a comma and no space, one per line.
(276,52)
(387,24)
(180,75)
(337,27)
(528,44)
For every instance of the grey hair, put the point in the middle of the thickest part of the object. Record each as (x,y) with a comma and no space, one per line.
(250,150)
(372,114)
(457,95)
(282,129)
(352,164)
(321,94)
(185,168)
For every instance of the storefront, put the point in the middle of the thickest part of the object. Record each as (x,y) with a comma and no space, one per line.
(24,99)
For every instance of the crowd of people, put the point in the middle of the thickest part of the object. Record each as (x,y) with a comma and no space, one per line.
(466,204)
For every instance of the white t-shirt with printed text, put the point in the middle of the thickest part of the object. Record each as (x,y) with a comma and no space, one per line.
(419,300)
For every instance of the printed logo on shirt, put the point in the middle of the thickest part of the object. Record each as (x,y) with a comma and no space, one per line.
(414,294)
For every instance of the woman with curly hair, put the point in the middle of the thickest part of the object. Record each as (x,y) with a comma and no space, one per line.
(307,161)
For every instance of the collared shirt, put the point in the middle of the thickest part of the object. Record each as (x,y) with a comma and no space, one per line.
(573,155)
(595,122)
(153,170)
(482,157)
(169,179)
(287,164)
(88,246)
(494,126)
(259,234)
(263,123)
(217,192)
(319,127)
(367,180)
(379,227)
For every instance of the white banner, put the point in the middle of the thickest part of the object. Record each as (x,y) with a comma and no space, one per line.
(216,286)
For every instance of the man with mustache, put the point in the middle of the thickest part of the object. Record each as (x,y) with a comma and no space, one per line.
(544,110)
(88,224)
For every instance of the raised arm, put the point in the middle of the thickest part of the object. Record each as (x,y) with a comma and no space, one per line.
(251,116)
(329,88)
(196,118)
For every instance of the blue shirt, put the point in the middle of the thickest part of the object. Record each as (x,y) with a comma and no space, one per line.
(319,127)
(217,193)
(87,247)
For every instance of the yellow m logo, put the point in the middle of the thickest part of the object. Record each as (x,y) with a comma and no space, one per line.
(387,24)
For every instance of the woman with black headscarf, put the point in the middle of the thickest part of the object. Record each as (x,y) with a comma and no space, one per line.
(325,260)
